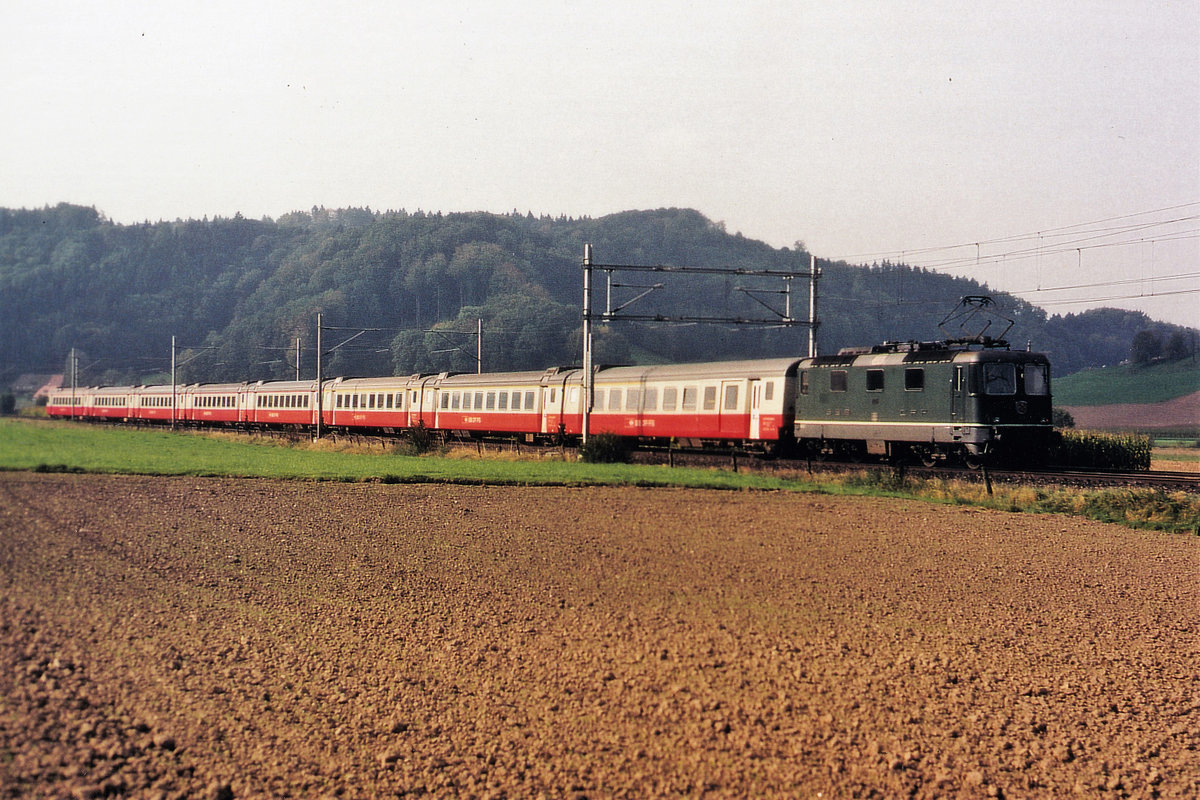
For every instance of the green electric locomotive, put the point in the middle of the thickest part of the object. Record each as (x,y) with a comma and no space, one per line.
(972,400)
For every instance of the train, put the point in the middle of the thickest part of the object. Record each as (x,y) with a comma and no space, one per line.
(972,401)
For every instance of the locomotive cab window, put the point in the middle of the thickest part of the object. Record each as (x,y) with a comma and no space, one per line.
(837,380)
(999,379)
(874,380)
(1037,380)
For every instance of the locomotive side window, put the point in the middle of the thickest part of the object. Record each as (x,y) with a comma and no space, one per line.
(689,398)
(731,398)
(999,379)
(670,397)
(710,398)
(914,379)
(1037,380)
(874,380)
(804,381)
(837,380)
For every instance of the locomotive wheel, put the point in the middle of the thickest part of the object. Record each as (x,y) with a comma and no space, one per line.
(972,461)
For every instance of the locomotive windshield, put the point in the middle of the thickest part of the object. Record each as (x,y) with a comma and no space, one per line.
(1037,380)
(999,379)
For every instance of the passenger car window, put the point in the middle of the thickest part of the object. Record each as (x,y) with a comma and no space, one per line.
(670,396)
(731,397)
(650,399)
(710,398)
(689,398)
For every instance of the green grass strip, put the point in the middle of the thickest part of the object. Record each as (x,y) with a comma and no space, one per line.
(66,447)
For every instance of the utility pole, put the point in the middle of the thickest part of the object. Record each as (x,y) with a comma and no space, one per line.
(297,358)
(813,273)
(479,346)
(319,392)
(172,383)
(588,378)
(74,376)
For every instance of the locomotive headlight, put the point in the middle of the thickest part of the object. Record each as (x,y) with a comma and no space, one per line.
(995,420)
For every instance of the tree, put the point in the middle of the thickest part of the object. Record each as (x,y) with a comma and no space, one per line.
(1147,346)
(1178,347)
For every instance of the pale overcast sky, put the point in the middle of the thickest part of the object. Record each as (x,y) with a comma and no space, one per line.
(866,130)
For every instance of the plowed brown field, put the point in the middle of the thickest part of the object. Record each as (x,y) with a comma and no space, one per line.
(168,637)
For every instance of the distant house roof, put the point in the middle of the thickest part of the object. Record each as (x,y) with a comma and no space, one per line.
(30,381)
(52,383)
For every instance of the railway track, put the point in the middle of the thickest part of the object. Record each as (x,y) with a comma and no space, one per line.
(1051,476)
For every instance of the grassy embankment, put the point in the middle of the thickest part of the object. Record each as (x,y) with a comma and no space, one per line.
(1139,385)
(64,447)
(1126,383)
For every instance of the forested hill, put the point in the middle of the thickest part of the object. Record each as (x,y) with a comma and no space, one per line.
(237,293)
